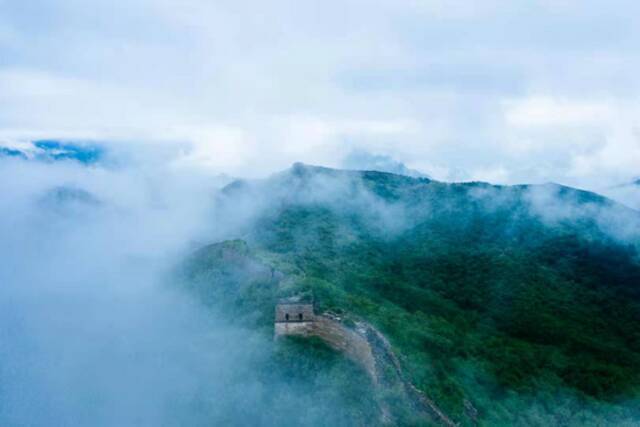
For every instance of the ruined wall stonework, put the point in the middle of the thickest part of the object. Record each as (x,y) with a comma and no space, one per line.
(364,345)
(292,312)
(293,328)
(332,332)
(343,339)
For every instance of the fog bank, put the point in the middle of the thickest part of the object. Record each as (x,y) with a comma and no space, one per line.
(92,329)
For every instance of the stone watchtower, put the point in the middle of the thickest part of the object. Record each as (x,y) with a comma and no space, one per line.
(294,318)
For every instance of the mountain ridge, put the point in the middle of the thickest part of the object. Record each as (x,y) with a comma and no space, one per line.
(494,297)
(304,171)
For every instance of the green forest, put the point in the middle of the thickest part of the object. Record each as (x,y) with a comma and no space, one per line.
(503,309)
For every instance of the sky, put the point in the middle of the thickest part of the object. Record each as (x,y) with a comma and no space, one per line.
(500,91)
(194,92)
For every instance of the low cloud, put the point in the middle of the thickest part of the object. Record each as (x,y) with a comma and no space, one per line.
(94,325)
(443,88)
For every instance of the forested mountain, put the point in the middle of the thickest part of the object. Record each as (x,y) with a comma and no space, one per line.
(506,305)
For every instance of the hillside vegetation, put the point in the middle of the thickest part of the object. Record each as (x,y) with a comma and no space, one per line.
(506,305)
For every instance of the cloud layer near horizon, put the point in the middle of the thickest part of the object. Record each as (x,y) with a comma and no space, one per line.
(525,91)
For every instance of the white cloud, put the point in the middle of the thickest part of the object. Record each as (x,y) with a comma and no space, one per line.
(542,91)
(549,111)
(589,142)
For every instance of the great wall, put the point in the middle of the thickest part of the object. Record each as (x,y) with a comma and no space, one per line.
(357,340)
(363,344)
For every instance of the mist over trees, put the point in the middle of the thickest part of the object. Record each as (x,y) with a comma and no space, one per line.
(520,303)
(442,196)
(95,332)
(119,307)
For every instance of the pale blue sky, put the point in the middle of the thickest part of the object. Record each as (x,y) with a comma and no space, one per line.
(504,91)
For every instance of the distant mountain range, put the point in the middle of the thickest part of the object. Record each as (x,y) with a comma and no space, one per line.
(52,150)
(363,160)
(63,198)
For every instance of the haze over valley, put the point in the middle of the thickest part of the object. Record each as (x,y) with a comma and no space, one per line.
(319,213)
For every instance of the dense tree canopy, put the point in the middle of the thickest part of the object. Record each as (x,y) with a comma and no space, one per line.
(489,301)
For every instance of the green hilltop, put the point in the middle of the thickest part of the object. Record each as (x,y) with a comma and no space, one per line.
(506,305)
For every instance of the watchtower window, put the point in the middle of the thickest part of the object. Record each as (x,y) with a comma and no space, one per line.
(286,317)
(300,316)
